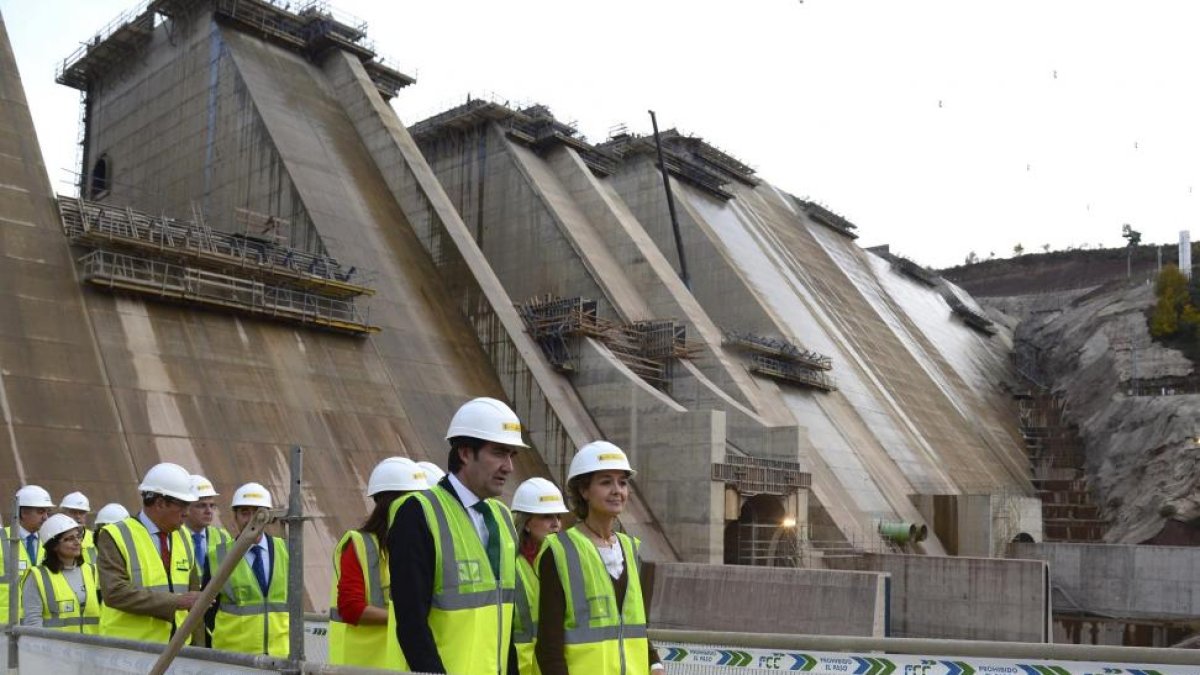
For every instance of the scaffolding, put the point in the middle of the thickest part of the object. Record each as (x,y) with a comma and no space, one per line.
(648,348)
(969,316)
(259,253)
(113,271)
(781,349)
(311,28)
(753,475)
(790,372)
(824,216)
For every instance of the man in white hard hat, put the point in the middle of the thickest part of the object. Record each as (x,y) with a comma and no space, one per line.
(200,533)
(252,612)
(35,505)
(457,617)
(77,506)
(148,575)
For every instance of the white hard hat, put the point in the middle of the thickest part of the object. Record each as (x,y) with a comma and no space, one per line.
(203,486)
(488,420)
(169,479)
(538,495)
(56,525)
(77,501)
(396,474)
(599,456)
(433,472)
(110,513)
(35,496)
(252,494)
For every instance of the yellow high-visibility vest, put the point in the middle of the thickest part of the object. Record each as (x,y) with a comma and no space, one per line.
(471,614)
(362,645)
(60,606)
(525,617)
(212,533)
(89,546)
(24,564)
(601,638)
(248,621)
(145,568)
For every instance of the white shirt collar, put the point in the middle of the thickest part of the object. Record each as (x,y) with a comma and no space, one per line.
(465,495)
(22,533)
(150,526)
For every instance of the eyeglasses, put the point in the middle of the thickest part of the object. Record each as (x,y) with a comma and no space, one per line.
(64,538)
(171,501)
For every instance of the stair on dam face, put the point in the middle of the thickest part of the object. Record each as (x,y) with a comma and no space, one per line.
(1056,457)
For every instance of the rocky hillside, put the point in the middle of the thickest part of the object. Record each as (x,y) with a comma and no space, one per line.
(1123,390)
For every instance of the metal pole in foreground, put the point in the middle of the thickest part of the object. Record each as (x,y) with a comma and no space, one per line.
(244,541)
(11,556)
(295,523)
(683,273)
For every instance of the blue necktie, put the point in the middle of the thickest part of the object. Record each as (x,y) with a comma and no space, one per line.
(260,572)
(201,551)
(31,542)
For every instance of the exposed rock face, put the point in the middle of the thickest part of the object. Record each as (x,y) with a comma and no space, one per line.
(1142,450)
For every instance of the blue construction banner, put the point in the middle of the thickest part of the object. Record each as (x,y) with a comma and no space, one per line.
(689,659)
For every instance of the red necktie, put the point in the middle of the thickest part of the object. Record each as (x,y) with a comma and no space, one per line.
(164,551)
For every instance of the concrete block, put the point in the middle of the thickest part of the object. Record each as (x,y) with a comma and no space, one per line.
(767,599)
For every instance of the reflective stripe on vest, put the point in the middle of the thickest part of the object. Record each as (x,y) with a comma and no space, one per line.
(600,636)
(451,598)
(79,615)
(248,620)
(364,645)
(145,569)
(524,624)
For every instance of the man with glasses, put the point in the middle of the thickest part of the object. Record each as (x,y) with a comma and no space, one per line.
(148,574)
(34,504)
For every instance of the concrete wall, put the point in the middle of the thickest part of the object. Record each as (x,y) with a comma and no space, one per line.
(981,525)
(962,598)
(1152,582)
(767,600)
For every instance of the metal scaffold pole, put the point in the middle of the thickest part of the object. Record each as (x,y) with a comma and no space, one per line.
(10,572)
(662,164)
(295,523)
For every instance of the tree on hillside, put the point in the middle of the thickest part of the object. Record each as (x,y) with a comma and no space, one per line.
(1174,314)
(1132,236)
(972,258)
(1018,249)
(1045,248)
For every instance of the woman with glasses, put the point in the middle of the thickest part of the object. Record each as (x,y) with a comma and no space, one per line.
(60,593)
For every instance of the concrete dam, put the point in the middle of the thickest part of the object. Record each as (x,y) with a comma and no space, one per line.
(262,255)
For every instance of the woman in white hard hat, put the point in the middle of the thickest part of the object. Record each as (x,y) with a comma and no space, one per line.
(537,506)
(61,592)
(359,597)
(591,612)
(252,613)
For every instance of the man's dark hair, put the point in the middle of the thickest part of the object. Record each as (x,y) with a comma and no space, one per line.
(454,462)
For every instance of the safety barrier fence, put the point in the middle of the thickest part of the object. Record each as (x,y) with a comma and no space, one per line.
(684,653)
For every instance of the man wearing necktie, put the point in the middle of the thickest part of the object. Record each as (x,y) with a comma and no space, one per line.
(199,532)
(252,612)
(147,570)
(457,617)
(35,505)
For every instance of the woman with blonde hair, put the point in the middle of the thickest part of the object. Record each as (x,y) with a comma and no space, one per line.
(537,506)
(592,614)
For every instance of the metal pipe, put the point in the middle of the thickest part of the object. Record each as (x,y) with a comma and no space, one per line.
(244,541)
(10,571)
(295,590)
(926,646)
(662,164)
(259,661)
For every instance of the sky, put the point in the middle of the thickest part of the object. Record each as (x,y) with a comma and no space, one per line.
(939,127)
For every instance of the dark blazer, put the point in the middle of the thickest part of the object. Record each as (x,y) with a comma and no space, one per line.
(410,561)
